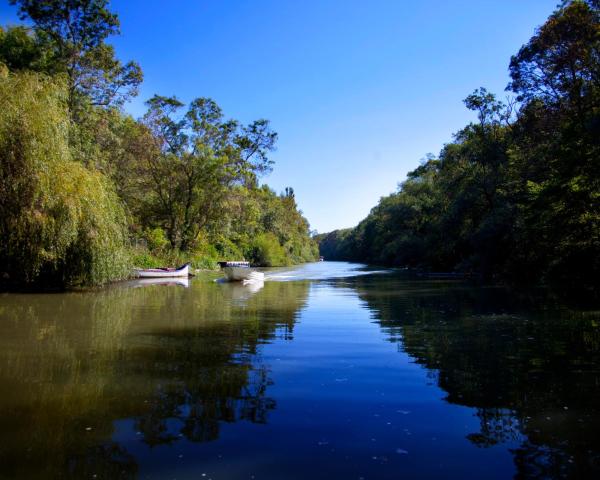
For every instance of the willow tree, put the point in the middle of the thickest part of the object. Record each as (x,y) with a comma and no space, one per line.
(198,158)
(60,223)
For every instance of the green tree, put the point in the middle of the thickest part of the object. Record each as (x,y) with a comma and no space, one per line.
(60,223)
(557,75)
(77,30)
(21,49)
(199,158)
(559,64)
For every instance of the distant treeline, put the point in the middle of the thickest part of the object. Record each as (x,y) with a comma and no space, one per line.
(86,191)
(516,195)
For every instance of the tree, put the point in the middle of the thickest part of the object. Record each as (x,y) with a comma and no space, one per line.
(559,65)
(77,30)
(60,223)
(199,158)
(20,49)
(557,76)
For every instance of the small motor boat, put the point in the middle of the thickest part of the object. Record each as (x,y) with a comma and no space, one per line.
(183,271)
(241,272)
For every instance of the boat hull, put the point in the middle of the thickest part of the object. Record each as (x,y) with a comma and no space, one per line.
(158,273)
(241,274)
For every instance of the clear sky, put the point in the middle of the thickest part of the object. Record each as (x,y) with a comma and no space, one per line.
(359,91)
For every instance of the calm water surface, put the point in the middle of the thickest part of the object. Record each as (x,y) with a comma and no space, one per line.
(326,371)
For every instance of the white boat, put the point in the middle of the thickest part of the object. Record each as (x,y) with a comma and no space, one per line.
(182,271)
(241,272)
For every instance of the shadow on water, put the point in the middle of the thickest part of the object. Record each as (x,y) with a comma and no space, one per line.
(177,361)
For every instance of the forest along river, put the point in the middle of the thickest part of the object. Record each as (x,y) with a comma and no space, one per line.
(328,370)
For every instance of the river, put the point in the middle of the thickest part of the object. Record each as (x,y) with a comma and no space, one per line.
(328,370)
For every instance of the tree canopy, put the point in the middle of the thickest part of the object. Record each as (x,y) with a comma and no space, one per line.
(198,158)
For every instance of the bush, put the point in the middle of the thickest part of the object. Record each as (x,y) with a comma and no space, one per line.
(266,251)
(156,239)
(142,258)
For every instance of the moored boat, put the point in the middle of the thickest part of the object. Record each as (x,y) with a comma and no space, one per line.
(241,272)
(182,271)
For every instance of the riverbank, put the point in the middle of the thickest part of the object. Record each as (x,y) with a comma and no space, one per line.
(73,203)
(205,260)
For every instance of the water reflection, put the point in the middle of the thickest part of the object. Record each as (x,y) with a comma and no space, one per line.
(241,292)
(532,374)
(101,383)
(178,361)
(144,282)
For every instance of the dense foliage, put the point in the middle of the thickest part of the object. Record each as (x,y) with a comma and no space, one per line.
(59,222)
(87,191)
(516,195)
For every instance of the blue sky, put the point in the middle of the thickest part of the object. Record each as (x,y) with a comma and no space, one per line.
(359,91)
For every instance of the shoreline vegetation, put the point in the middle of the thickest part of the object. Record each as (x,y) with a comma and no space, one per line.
(515,197)
(87,192)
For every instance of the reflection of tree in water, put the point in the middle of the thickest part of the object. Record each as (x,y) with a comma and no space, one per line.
(195,411)
(194,402)
(498,425)
(179,362)
(108,460)
(531,374)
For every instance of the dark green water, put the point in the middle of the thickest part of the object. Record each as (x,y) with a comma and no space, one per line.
(327,371)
